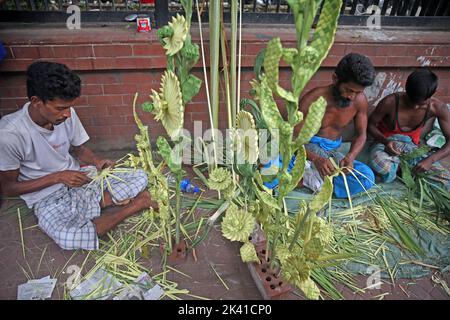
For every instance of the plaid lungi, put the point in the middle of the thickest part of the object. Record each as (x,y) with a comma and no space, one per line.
(66,215)
(387,166)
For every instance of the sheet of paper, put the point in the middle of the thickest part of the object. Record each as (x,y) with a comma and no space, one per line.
(36,289)
(100,286)
(154,293)
(143,288)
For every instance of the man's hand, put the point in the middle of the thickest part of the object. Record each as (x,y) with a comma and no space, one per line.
(324,166)
(72,178)
(101,164)
(86,156)
(423,166)
(347,162)
(391,149)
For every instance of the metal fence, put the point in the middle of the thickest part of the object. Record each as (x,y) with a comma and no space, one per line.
(255,11)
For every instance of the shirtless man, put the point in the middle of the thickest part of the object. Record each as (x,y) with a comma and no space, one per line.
(397,123)
(346,102)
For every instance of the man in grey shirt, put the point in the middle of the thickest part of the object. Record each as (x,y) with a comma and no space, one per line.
(36,165)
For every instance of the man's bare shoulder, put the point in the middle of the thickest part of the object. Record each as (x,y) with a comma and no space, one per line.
(387,102)
(361,103)
(438,107)
(318,91)
(314,94)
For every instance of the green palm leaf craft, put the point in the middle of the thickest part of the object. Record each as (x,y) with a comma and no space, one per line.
(177,88)
(310,289)
(247,136)
(237,225)
(168,104)
(296,269)
(248,253)
(304,12)
(313,121)
(269,109)
(170,157)
(299,168)
(323,196)
(175,42)
(304,60)
(274,52)
(220,179)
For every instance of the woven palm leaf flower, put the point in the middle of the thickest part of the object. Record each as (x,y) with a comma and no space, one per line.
(324,231)
(310,289)
(283,253)
(174,43)
(296,270)
(247,136)
(237,225)
(313,249)
(248,253)
(164,212)
(219,179)
(168,104)
(254,207)
(320,229)
(159,106)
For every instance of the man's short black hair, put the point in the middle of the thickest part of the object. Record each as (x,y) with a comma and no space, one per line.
(421,85)
(355,68)
(49,80)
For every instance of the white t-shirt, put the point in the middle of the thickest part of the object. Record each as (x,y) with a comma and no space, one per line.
(37,151)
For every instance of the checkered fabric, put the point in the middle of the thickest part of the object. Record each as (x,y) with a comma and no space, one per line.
(386,165)
(66,215)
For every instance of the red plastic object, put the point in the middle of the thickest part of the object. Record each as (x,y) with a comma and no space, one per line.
(148,1)
(143,24)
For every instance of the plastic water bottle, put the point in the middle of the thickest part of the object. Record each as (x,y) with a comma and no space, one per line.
(185,184)
(187,187)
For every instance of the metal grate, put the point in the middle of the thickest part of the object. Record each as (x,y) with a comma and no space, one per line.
(394,12)
(85,5)
(349,7)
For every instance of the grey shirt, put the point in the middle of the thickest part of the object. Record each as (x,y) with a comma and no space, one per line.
(37,151)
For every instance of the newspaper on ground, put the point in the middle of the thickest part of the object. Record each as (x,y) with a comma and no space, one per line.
(100,286)
(143,288)
(154,293)
(37,289)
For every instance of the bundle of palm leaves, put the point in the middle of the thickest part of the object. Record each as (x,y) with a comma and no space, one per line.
(422,186)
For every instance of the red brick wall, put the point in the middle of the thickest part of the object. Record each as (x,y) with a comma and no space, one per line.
(114,63)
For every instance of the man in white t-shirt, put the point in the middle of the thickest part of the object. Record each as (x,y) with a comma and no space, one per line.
(36,165)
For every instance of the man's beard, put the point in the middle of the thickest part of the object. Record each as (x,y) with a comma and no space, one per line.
(340,101)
